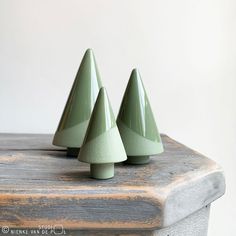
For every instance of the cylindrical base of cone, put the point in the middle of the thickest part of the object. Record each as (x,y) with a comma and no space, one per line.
(72,152)
(137,160)
(102,171)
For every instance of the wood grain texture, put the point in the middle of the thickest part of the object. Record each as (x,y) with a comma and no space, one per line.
(40,185)
(195,224)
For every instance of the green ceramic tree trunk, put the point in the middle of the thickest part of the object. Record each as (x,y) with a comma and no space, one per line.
(136,123)
(102,146)
(75,118)
(102,171)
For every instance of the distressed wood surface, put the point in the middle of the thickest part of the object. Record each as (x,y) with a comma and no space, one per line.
(39,185)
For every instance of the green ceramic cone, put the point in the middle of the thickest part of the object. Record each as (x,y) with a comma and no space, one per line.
(136,123)
(74,121)
(102,146)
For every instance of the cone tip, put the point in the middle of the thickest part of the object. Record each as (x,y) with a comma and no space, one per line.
(89,51)
(135,75)
(102,91)
(135,70)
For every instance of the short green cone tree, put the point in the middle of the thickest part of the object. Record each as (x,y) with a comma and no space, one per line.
(136,123)
(102,146)
(75,118)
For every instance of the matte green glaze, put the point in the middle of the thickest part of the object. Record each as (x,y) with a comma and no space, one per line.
(80,103)
(102,143)
(106,148)
(137,145)
(102,171)
(136,121)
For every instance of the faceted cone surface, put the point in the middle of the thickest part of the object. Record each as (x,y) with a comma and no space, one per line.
(75,118)
(102,143)
(136,122)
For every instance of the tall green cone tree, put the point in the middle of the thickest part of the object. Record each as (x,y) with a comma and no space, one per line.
(136,123)
(102,146)
(75,118)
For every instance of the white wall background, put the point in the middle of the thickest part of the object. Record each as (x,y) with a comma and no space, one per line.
(185,50)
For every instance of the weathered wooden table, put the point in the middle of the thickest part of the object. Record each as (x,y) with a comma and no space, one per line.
(42,189)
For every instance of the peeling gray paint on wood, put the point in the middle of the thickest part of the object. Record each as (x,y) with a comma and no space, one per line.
(39,184)
(195,224)
(108,210)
